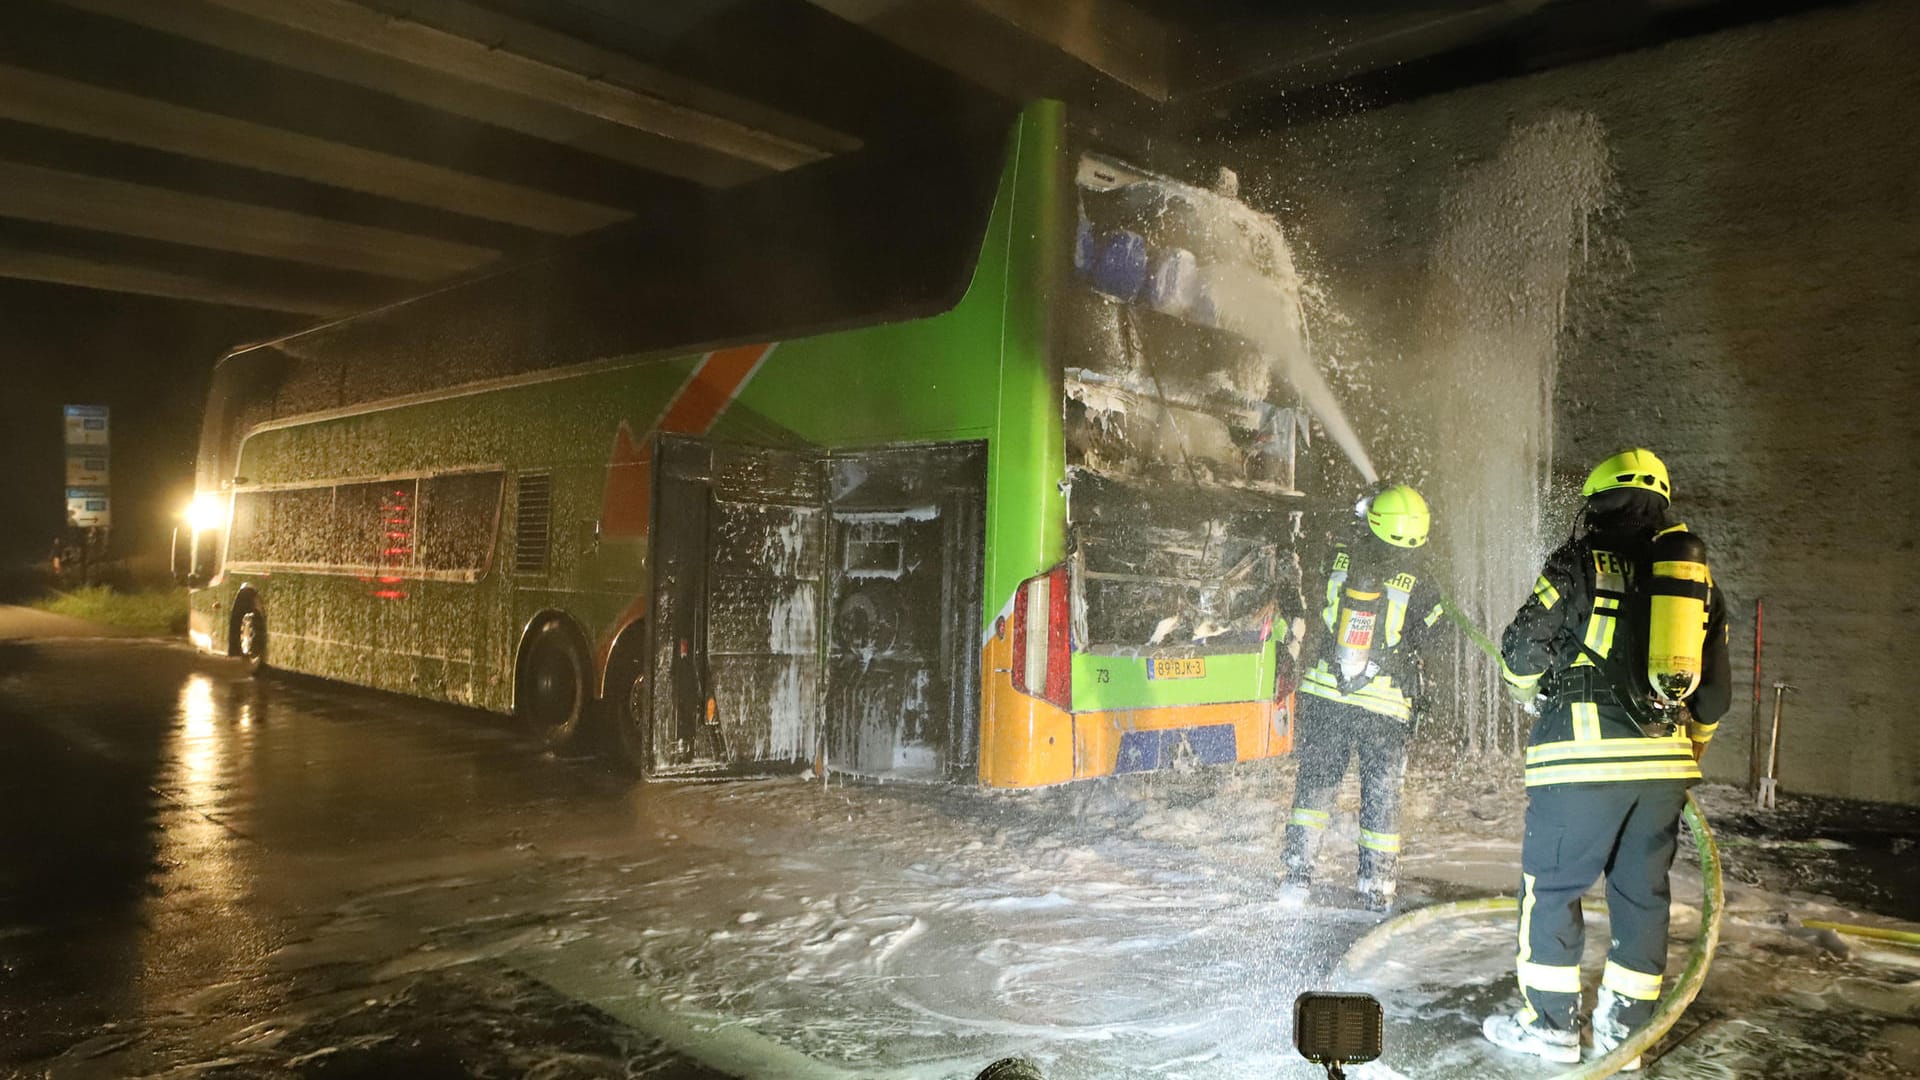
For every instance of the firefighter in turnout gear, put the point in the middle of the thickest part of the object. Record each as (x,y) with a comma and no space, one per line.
(1623,646)
(1358,696)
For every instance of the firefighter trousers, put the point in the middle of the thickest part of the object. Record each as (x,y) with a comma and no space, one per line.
(1329,734)
(1627,831)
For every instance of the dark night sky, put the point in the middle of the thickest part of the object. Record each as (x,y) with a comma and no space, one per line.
(147,359)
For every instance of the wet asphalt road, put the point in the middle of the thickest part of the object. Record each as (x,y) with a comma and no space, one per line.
(203,873)
(172,829)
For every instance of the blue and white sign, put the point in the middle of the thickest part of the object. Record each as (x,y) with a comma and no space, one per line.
(87,466)
(88,507)
(86,425)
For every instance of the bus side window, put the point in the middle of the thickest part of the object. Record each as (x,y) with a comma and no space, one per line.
(289,527)
(373,524)
(459,513)
(252,526)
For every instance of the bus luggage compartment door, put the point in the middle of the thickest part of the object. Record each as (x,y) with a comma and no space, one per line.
(817,607)
(739,558)
(903,628)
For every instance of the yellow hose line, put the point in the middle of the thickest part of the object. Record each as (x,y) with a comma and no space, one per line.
(1672,1004)
(1904,937)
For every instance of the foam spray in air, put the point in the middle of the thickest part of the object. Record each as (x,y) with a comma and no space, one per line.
(1266,301)
(1512,232)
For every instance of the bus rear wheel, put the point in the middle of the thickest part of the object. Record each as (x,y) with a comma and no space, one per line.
(552,693)
(628,707)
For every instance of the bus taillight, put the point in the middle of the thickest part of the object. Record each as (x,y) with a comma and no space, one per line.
(1042,642)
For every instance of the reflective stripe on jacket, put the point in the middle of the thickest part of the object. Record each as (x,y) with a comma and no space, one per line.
(1582,742)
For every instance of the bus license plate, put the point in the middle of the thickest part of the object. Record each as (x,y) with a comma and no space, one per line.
(1177,667)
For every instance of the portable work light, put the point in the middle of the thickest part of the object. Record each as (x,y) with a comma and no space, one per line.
(1337,1029)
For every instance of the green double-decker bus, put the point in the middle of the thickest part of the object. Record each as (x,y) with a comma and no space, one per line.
(968,472)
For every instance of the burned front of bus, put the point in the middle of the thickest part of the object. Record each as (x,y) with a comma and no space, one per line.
(1169,632)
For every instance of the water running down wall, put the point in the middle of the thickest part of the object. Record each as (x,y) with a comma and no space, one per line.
(1513,231)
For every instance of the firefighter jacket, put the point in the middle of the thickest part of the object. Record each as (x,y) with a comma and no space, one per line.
(1591,601)
(1406,605)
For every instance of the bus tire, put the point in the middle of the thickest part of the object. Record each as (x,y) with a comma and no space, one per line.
(554,690)
(627,704)
(247,636)
(1011,1069)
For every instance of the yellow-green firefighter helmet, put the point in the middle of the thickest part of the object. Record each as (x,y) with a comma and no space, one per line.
(1398,515)
(1636,468)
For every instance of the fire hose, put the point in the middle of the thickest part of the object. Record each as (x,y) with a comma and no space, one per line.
(1678,996)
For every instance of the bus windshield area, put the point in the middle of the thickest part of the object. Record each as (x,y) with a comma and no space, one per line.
(1183,314)
(1171,565)
(1183,436)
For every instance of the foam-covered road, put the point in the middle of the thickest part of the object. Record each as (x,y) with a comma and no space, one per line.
(209,874)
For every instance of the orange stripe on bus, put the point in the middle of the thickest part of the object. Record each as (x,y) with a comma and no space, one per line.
(719,377)
(716,379)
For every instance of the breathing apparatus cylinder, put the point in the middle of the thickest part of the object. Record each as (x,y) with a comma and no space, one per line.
(1356,628)
(1677,614)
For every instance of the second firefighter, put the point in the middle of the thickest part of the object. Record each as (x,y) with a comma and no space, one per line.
(1358,696)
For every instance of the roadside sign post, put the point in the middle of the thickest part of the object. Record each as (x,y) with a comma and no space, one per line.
(89,507)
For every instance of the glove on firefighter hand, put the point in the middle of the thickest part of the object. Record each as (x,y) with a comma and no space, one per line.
(1521,695)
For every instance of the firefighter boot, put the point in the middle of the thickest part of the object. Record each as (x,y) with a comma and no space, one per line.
(1511,1031)
(1608,1030)
(1305,827)
(1293,889)
(1378,880)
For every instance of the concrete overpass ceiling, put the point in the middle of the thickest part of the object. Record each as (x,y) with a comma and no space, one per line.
(402,143)
(314,157)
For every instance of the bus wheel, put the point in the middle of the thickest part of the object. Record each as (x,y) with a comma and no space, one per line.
(250,634)
(629,709)
(552,694)
(1011,1069)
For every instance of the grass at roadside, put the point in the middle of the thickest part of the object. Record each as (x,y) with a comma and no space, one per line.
(148,611)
